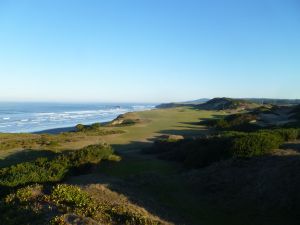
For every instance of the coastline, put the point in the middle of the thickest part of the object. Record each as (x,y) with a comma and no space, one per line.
(56,118)
(65,129)
(73,128)
(55,130)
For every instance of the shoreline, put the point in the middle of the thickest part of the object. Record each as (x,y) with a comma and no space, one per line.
(73,128)
(59,130)
(66,129)
(55,130)
(67,125)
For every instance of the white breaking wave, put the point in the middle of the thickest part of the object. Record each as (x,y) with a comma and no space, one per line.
(31,121)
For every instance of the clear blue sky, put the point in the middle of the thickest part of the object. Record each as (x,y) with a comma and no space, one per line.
(148,50)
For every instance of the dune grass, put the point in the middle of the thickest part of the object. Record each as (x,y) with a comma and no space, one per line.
(155,178)
(163,188)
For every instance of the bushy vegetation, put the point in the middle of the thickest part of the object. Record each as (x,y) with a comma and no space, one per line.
(23,143)
(128,122)
(84,128)
(16,208)
(72,198)
(260,142)
(238,122)
(53,141)
(123,121)
(201,152)
(96,129)
(52,170)
(127,119)
(226,103)
(34,141)
(43,204)
(192,152)
(287,134)
(64,200)
(255,144)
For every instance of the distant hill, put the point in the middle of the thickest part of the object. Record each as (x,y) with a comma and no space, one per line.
(197,101)
(274,101)
(179,104)
(170,105)
(227,103)
(230,103)
(213,104)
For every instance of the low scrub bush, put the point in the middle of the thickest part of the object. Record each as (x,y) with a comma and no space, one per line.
(45,170)
(25,143)
(192,153)
(69,198)
(16,214)
(63,200)
(288,134)
(80,127)
(128,122)
(16,207)
(24,195)
(96,129)
(255,144)
(238,122)
(72,198)
(203,152)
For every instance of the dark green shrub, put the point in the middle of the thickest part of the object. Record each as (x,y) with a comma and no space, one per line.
(45,170)
(222,124)
(91,153)
(288,134)
(200,152)
(73,197)
(232,134)
(203,152)
(79,127)
(193,153)
(40,170)
(237,122)
(255,144)
(37,204)
(14,214)
(128,122)
(96,129)
(95,126)
(24,195)
(69,198)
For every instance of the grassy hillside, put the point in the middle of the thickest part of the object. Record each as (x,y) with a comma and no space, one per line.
(215,104)
(227,103)
(232,103)
(169,169)
(23,152)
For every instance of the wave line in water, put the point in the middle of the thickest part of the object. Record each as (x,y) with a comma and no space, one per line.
(33,117)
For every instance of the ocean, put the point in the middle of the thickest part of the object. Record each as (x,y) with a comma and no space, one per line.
(33,117)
